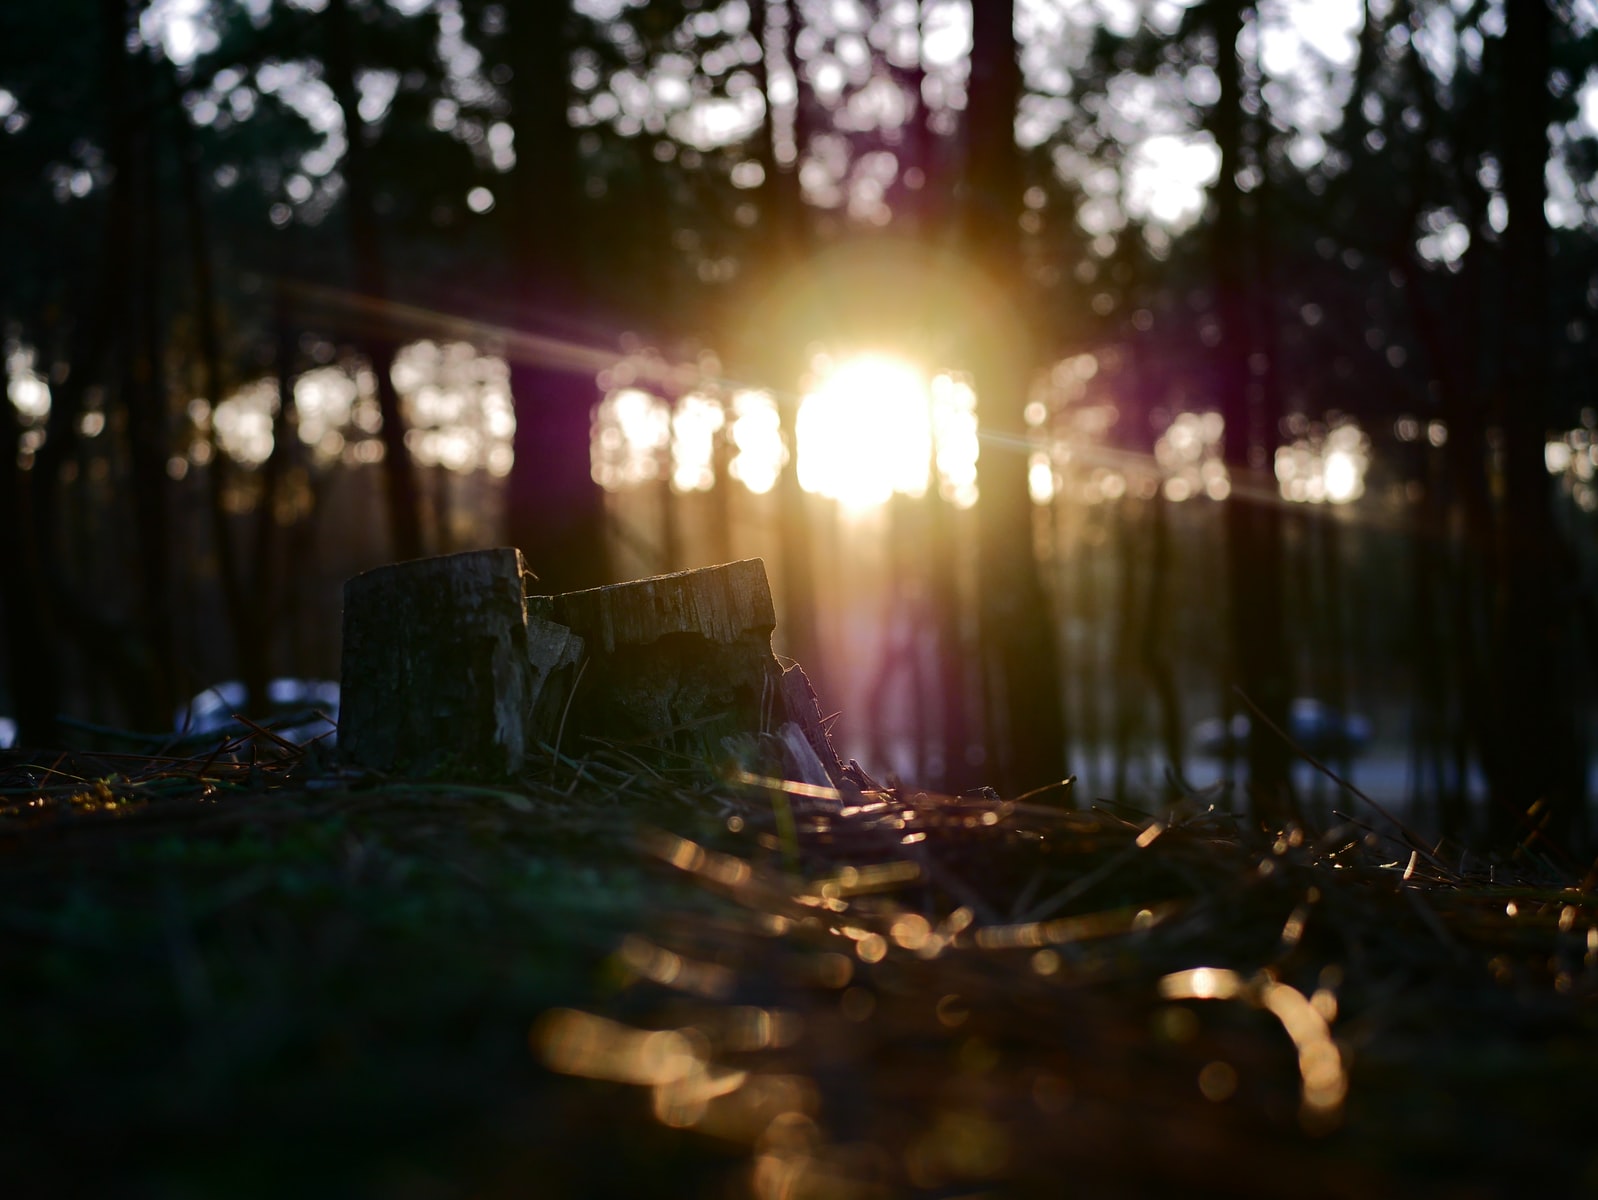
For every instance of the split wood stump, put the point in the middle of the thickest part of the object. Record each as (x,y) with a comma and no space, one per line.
(442,668)
(449,665)
(682,660)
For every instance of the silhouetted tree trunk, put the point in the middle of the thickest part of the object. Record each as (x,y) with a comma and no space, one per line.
(1532,750)
(371,281)
(1152,654)
(1128,698)
(1026,728)
(1153,646)
(149,433)
(1451,676)
(1253,554)
(112,651)
(953,683)
(267,584)
(1083,596)
(30,661)
(1335,689)
(1456,492)
(783,364)
(1430,567)
(111,349)
(899,684)
(554,511)
(238,600)
(64,611)
(720,497)
(929,222)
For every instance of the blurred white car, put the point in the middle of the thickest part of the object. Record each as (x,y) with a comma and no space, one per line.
(211,711)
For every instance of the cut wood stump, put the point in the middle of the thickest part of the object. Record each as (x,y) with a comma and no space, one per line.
(450,666)
(680,661)
(440,672)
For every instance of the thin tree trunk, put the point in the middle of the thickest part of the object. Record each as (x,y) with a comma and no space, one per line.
(720,497)
(1430,565)
(896,684)
(1253,554)
(953,681)
(1019,638)
(1334,690)
(1156,657)
(1532,755)
(30,658)
(371,281)
(783,364)
(554,510)
(928,221)
(1128,696)
(1090,690)
(267,584)
(148,436)
(238,602)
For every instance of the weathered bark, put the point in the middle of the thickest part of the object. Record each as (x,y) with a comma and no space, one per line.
(681,659)
(724,603)
(806,730)
(450,667)
(438,672)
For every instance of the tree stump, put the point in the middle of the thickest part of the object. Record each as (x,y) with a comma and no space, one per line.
(439,670)
(680,661)
(450,666)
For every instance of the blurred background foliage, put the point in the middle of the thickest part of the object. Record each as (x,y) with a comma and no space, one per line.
(1075,365)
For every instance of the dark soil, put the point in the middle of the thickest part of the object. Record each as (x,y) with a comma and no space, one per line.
(620,977)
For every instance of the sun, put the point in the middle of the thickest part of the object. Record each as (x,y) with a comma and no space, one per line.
(875,425)
(865,432)
(868,428)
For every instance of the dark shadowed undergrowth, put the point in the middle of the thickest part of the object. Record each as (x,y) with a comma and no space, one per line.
(255,973)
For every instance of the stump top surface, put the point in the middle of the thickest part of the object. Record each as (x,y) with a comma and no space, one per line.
(469,566)
(722,603)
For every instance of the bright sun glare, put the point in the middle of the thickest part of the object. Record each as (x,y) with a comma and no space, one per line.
(870,427)
(875,425)
(865,433)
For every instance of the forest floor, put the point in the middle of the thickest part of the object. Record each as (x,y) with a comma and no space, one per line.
(625,976)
